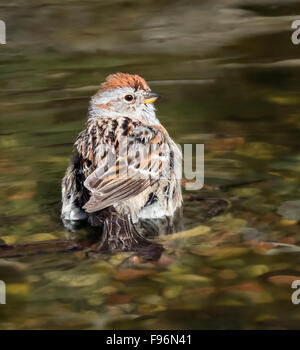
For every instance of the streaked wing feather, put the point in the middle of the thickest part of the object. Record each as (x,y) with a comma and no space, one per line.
(121,182)
(98,202)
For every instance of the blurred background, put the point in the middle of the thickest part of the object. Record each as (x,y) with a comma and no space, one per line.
(229,74)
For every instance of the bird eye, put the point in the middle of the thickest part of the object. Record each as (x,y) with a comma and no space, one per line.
(128,98)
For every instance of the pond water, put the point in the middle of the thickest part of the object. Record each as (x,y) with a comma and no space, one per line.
(230,78)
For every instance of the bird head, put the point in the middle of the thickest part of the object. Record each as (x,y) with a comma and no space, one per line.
(124,95)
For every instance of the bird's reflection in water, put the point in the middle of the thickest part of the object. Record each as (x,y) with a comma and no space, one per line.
(162,226)
(150,229)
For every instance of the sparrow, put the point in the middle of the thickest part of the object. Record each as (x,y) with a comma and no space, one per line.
(125,167)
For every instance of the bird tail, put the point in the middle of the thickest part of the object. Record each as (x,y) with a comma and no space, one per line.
(119,234)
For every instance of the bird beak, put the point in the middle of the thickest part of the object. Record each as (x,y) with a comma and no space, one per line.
(151,97)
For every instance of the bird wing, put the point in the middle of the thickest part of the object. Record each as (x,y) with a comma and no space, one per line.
(139,162)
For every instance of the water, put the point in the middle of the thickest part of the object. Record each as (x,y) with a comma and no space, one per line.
(230,79)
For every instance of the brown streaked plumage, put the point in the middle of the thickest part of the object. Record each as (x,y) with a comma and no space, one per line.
(125,165)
